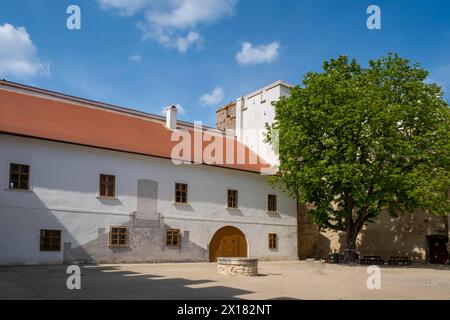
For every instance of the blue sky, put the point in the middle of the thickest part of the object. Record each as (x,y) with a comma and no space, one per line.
(147,54)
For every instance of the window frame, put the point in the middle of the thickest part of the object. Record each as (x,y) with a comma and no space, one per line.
(233,199)
(272,203)
(51,238)
(111,234)
(107,184)
(170,235)
(181,198)
(273,241)
(20,178)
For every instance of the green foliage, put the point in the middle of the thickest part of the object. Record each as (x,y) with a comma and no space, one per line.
(354,141)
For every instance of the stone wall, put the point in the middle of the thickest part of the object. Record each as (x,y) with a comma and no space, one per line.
(237,267)
(405,235)
(308,235)
(226,117)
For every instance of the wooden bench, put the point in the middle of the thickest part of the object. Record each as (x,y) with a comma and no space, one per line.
(372,260)
(334,258)
(339,257)
(399,261)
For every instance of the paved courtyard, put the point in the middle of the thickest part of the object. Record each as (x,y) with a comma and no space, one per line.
(277,280)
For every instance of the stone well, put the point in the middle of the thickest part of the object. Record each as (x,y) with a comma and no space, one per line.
(237,267)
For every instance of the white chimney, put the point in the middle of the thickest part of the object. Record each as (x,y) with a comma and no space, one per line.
(240,105)
(171,118)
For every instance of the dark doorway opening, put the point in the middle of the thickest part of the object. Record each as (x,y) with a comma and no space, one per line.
(438,245)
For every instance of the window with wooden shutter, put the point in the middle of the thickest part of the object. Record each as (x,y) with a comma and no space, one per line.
(19,176)
(107,186)
(233,199)
(118,236)
(272,203)
(173,238)
(273,241)
(50,240)
(181,193)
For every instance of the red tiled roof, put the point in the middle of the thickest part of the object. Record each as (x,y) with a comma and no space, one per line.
(37,113)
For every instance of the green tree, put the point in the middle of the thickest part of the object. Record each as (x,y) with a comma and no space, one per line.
(354,141)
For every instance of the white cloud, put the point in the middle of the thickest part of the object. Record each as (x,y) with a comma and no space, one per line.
(183,44)
(135,58)
(189,13)
(18,55)
(173,23)
(213,98)
(180,110)
(250,54)
(126,7)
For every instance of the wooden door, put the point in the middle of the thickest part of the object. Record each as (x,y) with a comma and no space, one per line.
(230,246)
(227,242)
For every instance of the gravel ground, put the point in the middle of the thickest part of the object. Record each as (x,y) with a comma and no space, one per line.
(198,281)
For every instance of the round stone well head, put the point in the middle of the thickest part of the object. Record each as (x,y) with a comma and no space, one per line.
(245,267)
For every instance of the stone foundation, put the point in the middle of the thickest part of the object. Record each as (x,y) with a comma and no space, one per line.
(237,267)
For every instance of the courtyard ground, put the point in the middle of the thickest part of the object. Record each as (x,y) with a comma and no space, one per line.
(192,281)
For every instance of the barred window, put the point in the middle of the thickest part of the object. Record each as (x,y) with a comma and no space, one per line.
(232,199)
(118,236)
(173,237)
(181,190)
(107,186)
(272,203)
(50,240)
(19,176)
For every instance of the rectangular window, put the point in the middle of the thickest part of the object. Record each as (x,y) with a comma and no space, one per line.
(118,236)
(232,199)
(107,186)
(19,176)
(50,240)
(272,203)
(273,239)
(181,191)
(173,237)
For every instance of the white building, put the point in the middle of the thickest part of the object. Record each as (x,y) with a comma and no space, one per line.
(250,115)
(90,182)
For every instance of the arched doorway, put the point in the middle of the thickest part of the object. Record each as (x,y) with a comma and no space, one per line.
(227,242)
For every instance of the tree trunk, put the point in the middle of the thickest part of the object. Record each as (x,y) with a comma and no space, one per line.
(351,234)
(350,248)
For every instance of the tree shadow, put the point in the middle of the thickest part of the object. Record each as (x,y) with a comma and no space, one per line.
(112,283)
(405,235)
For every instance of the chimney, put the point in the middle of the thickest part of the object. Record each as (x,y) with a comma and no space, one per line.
(240,105)
(171,118)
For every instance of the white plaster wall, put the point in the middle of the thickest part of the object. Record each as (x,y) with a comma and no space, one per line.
(64,187)
(252,114)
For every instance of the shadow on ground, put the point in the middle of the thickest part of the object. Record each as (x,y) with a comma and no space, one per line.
(423,266)
(105,283)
